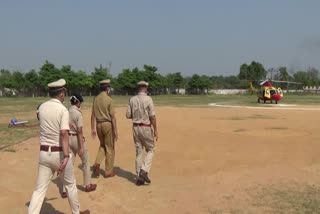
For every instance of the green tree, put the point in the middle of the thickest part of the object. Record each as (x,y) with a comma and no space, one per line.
(48,73)
(220,82)
(157,83)
(284,76)
(244,72)
(99,74)
(126,81)
(255,71)
(205,83)
(6,80)
(194,84)
(175,81)
(18,81)
(302,77)
(82,82)
(32,81)
(232,82)
(70,76)
(150,68)
(313,76)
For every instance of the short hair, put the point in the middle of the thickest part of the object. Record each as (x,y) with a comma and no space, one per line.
(142,86)
(55,93)
(104,87)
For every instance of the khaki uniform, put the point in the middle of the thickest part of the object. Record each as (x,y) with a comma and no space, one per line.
(53,117)
(103,109)
(76,121)
(140,108)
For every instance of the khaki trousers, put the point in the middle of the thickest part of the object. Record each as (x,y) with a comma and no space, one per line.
(106,149)
(75,148)
(143,137)
(48,165)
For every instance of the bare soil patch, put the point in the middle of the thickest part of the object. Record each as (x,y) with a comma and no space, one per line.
(268,162)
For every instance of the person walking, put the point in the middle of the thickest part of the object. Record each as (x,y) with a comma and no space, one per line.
(141,111)
(103,116)
(77,142)
(54,150)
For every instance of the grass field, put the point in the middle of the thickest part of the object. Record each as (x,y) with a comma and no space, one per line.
(23,108)
(29,103)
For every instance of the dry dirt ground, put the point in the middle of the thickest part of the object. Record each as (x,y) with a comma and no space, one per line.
(208,160)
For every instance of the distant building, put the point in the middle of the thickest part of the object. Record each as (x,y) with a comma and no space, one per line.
(227,91)
(311,89)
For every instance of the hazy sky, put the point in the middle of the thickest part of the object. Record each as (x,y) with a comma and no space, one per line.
(205,37)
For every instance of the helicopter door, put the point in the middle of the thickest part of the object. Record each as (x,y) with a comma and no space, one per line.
(267,93)
(279,90)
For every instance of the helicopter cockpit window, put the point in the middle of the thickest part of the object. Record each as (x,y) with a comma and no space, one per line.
(273,92)
(267,92)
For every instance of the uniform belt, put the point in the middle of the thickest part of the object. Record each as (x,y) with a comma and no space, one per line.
(53,148)
(142,124)
(71,134)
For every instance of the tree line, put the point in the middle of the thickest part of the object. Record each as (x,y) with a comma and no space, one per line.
(34,83)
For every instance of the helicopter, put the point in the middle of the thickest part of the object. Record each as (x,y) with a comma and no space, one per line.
(267,92)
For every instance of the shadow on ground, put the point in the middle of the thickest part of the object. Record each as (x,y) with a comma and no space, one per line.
(125,174)
(47,208)
(120,173)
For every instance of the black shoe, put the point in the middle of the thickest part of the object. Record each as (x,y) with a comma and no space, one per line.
(139,182)
(144,176)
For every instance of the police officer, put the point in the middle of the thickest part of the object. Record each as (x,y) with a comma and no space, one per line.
(141,111)
(77,143)
(54,149)
(103,115)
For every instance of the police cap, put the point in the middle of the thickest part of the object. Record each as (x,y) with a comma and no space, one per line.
(143,83)
(105,82)
(57,85)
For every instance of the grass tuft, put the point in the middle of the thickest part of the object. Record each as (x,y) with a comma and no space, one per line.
(277,128)
(261,116)
(240,130)
(10,150)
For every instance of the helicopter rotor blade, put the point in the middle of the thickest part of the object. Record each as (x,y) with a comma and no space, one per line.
(285,81)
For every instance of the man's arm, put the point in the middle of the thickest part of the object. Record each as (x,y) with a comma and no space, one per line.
(153,121)
(114,126)
(80,140)
(64,138)
(129,111)
(93,129)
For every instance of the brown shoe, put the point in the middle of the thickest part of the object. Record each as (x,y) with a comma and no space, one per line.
(144,175)
(64,195)
(96,170)
(85,212)
(109,175)
(140,181)
(91,187)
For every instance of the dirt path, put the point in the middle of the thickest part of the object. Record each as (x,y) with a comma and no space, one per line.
(208,160)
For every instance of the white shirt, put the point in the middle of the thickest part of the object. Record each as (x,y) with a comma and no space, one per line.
(54,116)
